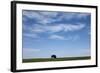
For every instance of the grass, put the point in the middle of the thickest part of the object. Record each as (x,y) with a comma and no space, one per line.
(56,59)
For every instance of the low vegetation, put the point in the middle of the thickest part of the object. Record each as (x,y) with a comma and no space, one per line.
(55,59)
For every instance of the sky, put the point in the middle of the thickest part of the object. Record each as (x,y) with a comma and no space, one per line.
(65,34)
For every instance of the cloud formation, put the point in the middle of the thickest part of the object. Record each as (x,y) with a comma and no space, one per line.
(40,17)
(45,17)
(58,37)
(31,35)
(52,22)
(56,28)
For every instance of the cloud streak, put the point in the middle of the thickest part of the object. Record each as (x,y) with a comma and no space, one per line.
(57,28)
(58,37)
(45,17)
(54,32)
(47,22)
(31,35)
(41,17)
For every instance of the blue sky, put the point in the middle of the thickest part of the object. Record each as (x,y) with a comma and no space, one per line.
(53,32)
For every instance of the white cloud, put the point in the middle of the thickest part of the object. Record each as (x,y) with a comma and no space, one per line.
(61,37)
(32,14)
(38,30)
(45,17)
(54,28)
(49,14)
(57,28)
(71,27)
(46,28)
(31,35)
(65,27)
(69,15)
(44,24)
(57,37)
(82,15)
(41,17)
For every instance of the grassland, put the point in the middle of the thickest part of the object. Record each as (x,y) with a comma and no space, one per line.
(56,59)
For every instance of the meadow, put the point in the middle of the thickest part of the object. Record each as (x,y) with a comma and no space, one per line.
(55,59)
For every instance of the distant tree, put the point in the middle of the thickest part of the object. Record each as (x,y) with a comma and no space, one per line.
(53,56)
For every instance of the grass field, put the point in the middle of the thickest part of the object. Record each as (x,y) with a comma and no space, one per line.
(57,59)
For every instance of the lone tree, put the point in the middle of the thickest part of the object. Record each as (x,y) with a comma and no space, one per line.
(53,56)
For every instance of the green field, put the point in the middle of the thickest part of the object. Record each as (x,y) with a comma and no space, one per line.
(57,59)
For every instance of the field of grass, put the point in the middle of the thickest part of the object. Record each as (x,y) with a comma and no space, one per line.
(56,59)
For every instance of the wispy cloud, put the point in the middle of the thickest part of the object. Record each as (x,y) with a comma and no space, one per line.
(37,29)
(58,37)
(57,28)
(41,17)
(49,14)
(83,15)
(45,17)
(71,27)
(69,15)
(32,14)
(61,37)
(31,35)
(52,28)
(45,23)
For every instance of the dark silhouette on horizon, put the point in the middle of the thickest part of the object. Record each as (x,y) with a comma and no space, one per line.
(53,56)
